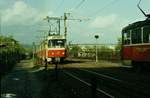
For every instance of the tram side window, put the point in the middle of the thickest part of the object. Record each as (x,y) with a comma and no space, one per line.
(136,36)
(126,37)
(146,34)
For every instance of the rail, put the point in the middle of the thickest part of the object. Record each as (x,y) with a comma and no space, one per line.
(115,84)
(88,84)
(102,75)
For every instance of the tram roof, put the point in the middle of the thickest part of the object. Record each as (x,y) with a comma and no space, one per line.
(55,37)
(137,24)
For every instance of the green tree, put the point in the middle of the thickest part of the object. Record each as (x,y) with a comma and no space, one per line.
(74,50)
(10,52)
(118,46)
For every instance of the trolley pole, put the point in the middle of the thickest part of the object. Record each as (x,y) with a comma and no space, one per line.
(59,26)
(96,52)
(57,22)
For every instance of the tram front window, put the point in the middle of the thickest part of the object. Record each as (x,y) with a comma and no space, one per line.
(56,43)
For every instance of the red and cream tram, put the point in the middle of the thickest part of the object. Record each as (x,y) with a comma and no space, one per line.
(136,42)
(52,49)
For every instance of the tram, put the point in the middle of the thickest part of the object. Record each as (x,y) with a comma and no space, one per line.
(52,49)
(136,43)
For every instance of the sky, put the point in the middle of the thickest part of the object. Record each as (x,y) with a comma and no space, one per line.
(23,19)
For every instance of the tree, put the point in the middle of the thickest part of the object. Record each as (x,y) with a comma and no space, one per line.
(74,50)
(118,46)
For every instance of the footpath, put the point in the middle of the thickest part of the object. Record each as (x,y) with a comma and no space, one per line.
(29,81)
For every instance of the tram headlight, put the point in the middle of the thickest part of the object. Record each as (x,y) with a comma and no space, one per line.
(63,53)
(52,53)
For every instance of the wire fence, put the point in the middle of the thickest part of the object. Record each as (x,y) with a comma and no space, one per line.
(104,52)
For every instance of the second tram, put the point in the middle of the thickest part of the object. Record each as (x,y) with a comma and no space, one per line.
(136,43)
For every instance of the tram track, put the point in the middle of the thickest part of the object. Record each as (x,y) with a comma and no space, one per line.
(127,84)
(89,84)
(114,87)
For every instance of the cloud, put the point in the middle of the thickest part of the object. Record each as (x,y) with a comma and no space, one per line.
(22,14)
(103,21)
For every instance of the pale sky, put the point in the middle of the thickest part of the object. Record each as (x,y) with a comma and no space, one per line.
(24,18)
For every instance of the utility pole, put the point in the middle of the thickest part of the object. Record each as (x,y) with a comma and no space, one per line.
(96,53)
(65,24)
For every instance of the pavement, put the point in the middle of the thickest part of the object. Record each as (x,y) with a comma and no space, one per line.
(22,82)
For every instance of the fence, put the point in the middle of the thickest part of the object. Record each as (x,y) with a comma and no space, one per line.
(104,52)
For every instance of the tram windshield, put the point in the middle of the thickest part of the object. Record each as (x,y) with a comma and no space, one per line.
(56,43)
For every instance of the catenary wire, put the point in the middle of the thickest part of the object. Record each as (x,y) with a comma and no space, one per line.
(58,7)
(104,7)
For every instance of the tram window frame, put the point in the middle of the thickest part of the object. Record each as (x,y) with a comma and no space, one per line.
(126,37)
(136,36)
(49,43)
(146,34)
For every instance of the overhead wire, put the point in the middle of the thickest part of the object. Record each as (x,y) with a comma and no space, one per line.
(104,7)
(135,19)
(99,10)
(78,5)
(58,7)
